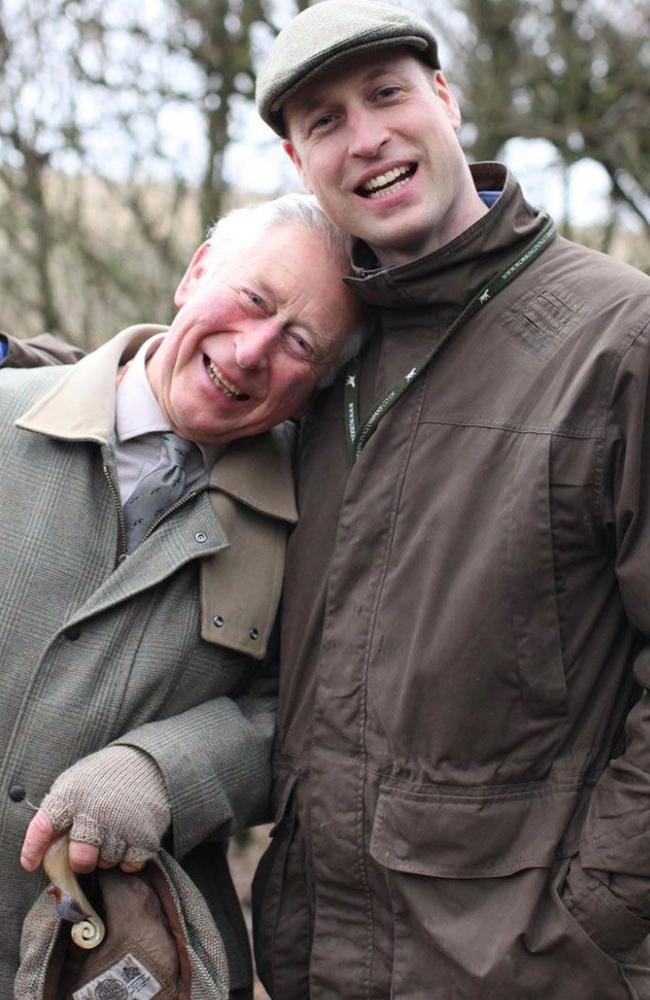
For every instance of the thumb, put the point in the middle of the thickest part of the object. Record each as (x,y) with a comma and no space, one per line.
(40,834)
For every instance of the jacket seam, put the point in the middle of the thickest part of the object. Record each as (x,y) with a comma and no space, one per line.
(541,430)
(483,793)
(599,484)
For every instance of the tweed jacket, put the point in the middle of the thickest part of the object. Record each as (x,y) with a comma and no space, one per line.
(162,650)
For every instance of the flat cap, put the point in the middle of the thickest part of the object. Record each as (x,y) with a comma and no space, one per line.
(323,34)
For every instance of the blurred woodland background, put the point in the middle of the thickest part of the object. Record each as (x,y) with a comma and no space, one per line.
(125,129)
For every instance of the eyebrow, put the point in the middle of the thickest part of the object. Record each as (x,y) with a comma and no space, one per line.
(268,290)
(308,104)
(372,74)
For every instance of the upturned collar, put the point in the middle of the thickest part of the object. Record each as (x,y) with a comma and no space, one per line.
(449,276)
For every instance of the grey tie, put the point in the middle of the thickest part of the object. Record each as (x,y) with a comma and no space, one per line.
(158,490)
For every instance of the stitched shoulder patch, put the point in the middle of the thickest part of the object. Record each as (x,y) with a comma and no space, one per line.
(541,321)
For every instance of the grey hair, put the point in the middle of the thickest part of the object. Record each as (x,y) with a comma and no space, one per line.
(351,348)
(241,228)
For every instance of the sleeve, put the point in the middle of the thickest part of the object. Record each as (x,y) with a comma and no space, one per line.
(608,888)
(216,761)
(37,351)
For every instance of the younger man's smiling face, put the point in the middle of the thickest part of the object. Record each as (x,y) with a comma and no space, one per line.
(374,138)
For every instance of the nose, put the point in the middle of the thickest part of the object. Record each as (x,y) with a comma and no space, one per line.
(253,345)
(368,133)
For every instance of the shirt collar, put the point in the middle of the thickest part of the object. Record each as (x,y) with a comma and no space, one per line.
(136,408)
(137,411)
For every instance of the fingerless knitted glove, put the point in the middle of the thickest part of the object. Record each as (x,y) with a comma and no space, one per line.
(115,799)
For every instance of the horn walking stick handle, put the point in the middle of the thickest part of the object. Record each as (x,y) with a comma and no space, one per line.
(88,929)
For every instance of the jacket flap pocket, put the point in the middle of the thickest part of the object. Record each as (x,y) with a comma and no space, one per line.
(468,833)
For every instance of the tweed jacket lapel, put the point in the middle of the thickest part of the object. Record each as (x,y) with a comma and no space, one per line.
(250,491)
(193,533)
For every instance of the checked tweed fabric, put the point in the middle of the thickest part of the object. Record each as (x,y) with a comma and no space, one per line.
(158,490)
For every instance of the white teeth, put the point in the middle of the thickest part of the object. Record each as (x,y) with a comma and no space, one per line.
(226,387)
(373,186)
(384,192)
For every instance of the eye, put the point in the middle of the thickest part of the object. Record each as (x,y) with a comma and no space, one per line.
(387,92)
(323,122)
(298,346)
(254,299)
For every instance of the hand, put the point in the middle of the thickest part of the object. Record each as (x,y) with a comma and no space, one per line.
(115,804)
(40,834)
(83,857)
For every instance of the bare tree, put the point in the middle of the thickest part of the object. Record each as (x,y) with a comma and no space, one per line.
(574,73)
(98,191)
(116,120)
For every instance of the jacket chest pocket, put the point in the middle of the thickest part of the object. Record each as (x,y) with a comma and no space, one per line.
(484,623)
(554,556)
(531,579)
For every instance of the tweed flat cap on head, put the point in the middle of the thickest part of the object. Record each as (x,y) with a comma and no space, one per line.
(321,35)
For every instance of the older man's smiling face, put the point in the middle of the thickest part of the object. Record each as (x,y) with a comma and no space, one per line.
(374,138)
(251,341)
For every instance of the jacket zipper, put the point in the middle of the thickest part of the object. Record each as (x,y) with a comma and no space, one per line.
(121,545)
(174,507)
(122,552)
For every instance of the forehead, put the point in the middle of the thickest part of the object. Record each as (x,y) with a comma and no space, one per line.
(356,69)
(303,278)
(283,254)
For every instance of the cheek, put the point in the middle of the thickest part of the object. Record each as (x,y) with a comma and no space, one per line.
(186,389)
(176,370)
(322,171)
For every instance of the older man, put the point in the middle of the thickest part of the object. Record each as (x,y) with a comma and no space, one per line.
(462,812)
(145,502)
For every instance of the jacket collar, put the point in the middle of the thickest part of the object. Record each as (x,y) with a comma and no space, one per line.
(257,471)
(81,407)
(451,275)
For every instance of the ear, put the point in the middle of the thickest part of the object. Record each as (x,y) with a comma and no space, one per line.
(291,152)
(444,93)
(192,277)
